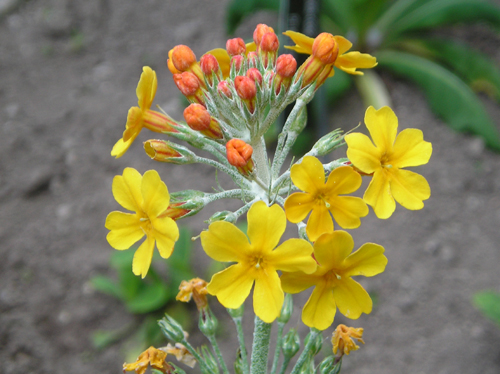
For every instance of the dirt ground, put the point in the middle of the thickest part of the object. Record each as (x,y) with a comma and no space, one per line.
(68,75)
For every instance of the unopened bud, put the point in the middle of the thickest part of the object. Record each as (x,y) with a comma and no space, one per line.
(252,58)
(269,42)
(327,143)
(330,365)
(286,309)
(239,154)
(246,90)
(235,47)
(223,89)
(184,204)
(259,32)
(198,118)
(291,344)
(286,66)
(189,85)
(171,329)
(170,64)
(255,75)
(183,57)
(316,344)
(209,65)
(165,151)
(237,61)
(325,48)
(207,322)
(225,215)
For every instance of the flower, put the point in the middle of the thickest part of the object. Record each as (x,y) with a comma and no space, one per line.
(342,339)
(151,356)
(195,288)
(347,62)
(181,354)
(334,287)
(148,197)
(256,261)
(322,198)
(386,159)
(142,116)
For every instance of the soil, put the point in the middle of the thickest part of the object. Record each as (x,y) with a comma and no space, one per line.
(69,71)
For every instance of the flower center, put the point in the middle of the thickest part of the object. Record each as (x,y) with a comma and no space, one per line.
(321,200)
(385,161)
(258,262)
(146,225)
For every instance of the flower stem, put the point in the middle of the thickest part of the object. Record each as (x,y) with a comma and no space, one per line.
(277,350)
(196,355)
(260,347)
(218,353)
(286,361)
(237,177)
(306,352)
(241,339)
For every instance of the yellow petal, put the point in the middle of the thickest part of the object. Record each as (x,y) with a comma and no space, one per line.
(362,153)
(351,298)
(250,47)
(143,257)
(331,249)
(320,309)
(268,296)
(125,230)
(379,196)
(166,234)
(342,180)
(155,194)
(303,43)
(121,147)
(344,44)
(266,225)
(383,126)
(127,189)
(225,242)
(298,281)
(298,205)
(293,255)
(309,175)
(232,285)
(134,123)
(368,260)
(347,210)
(146,89)
(356,60)
(319,222)
(223,59)
(410,149)
(409,189)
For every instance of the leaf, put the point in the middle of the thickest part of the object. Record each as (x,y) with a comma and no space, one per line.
(448,96)
(445,12)
(106,285)
(488,302)
(237,10)
(151,297)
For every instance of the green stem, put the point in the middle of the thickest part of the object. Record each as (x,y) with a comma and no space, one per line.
(237,177)
(229,194)
(196,355)
(241,339)
(218,353)
(286,361)
(260,347)
(260,157)
(277,350)
(306,352)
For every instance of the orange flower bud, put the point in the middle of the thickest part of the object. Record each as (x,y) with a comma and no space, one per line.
(198,118)
(239,154)
(245,87)
(237,61)
(259,32)
(255,75)
(269,42)
(159,150)
(175,211)
(235,47)
(183,57)
(286,66)
(209,64)
(170,64)
(223,89)
(325,48)
(189,85)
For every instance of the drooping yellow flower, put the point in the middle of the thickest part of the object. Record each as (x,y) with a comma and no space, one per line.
(196,288)
(343,339)
(148,197)
(386,159)
(150,357)
(347,62)
(256,261)
(334,287)
(322,198)
(181,354)
(142,116)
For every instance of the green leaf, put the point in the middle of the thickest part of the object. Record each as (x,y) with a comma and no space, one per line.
(448,96)
(237,10)
(445,12)
(394,12)
(478,70)
(488,302)
(106,285)
(149,298)
(129,282)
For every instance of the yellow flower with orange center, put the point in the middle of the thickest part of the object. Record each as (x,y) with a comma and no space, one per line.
(322,199)
(334,286)
(257,260)
(343,339)
(385,158)
(147,196)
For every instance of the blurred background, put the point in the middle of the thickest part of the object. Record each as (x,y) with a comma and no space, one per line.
(68,75)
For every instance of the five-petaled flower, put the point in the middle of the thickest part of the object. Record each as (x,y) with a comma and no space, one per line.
(150,357)
(148,197)
(334,287)
(256,261)
(386,159)
(323,198)
(142,116)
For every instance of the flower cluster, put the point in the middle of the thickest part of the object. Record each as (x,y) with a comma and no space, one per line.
(235,95)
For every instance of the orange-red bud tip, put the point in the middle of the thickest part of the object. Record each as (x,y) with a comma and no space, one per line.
(259,32)
(160,150)
(235,47)
(252,57)
(325,48)
(223,89)
(255,75)
(197,117)
(286,66)
(269,42)
(237,61)
(183,57)
(245,87)
(209,64)
(239,154)
(187,83)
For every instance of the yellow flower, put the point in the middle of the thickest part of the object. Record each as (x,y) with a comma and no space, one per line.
(342,339)
(196,288)
(386,159)
(142,116)
(148,197)
(150,357)
(347,62)
(256,260)
(334,287)
(323,198)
